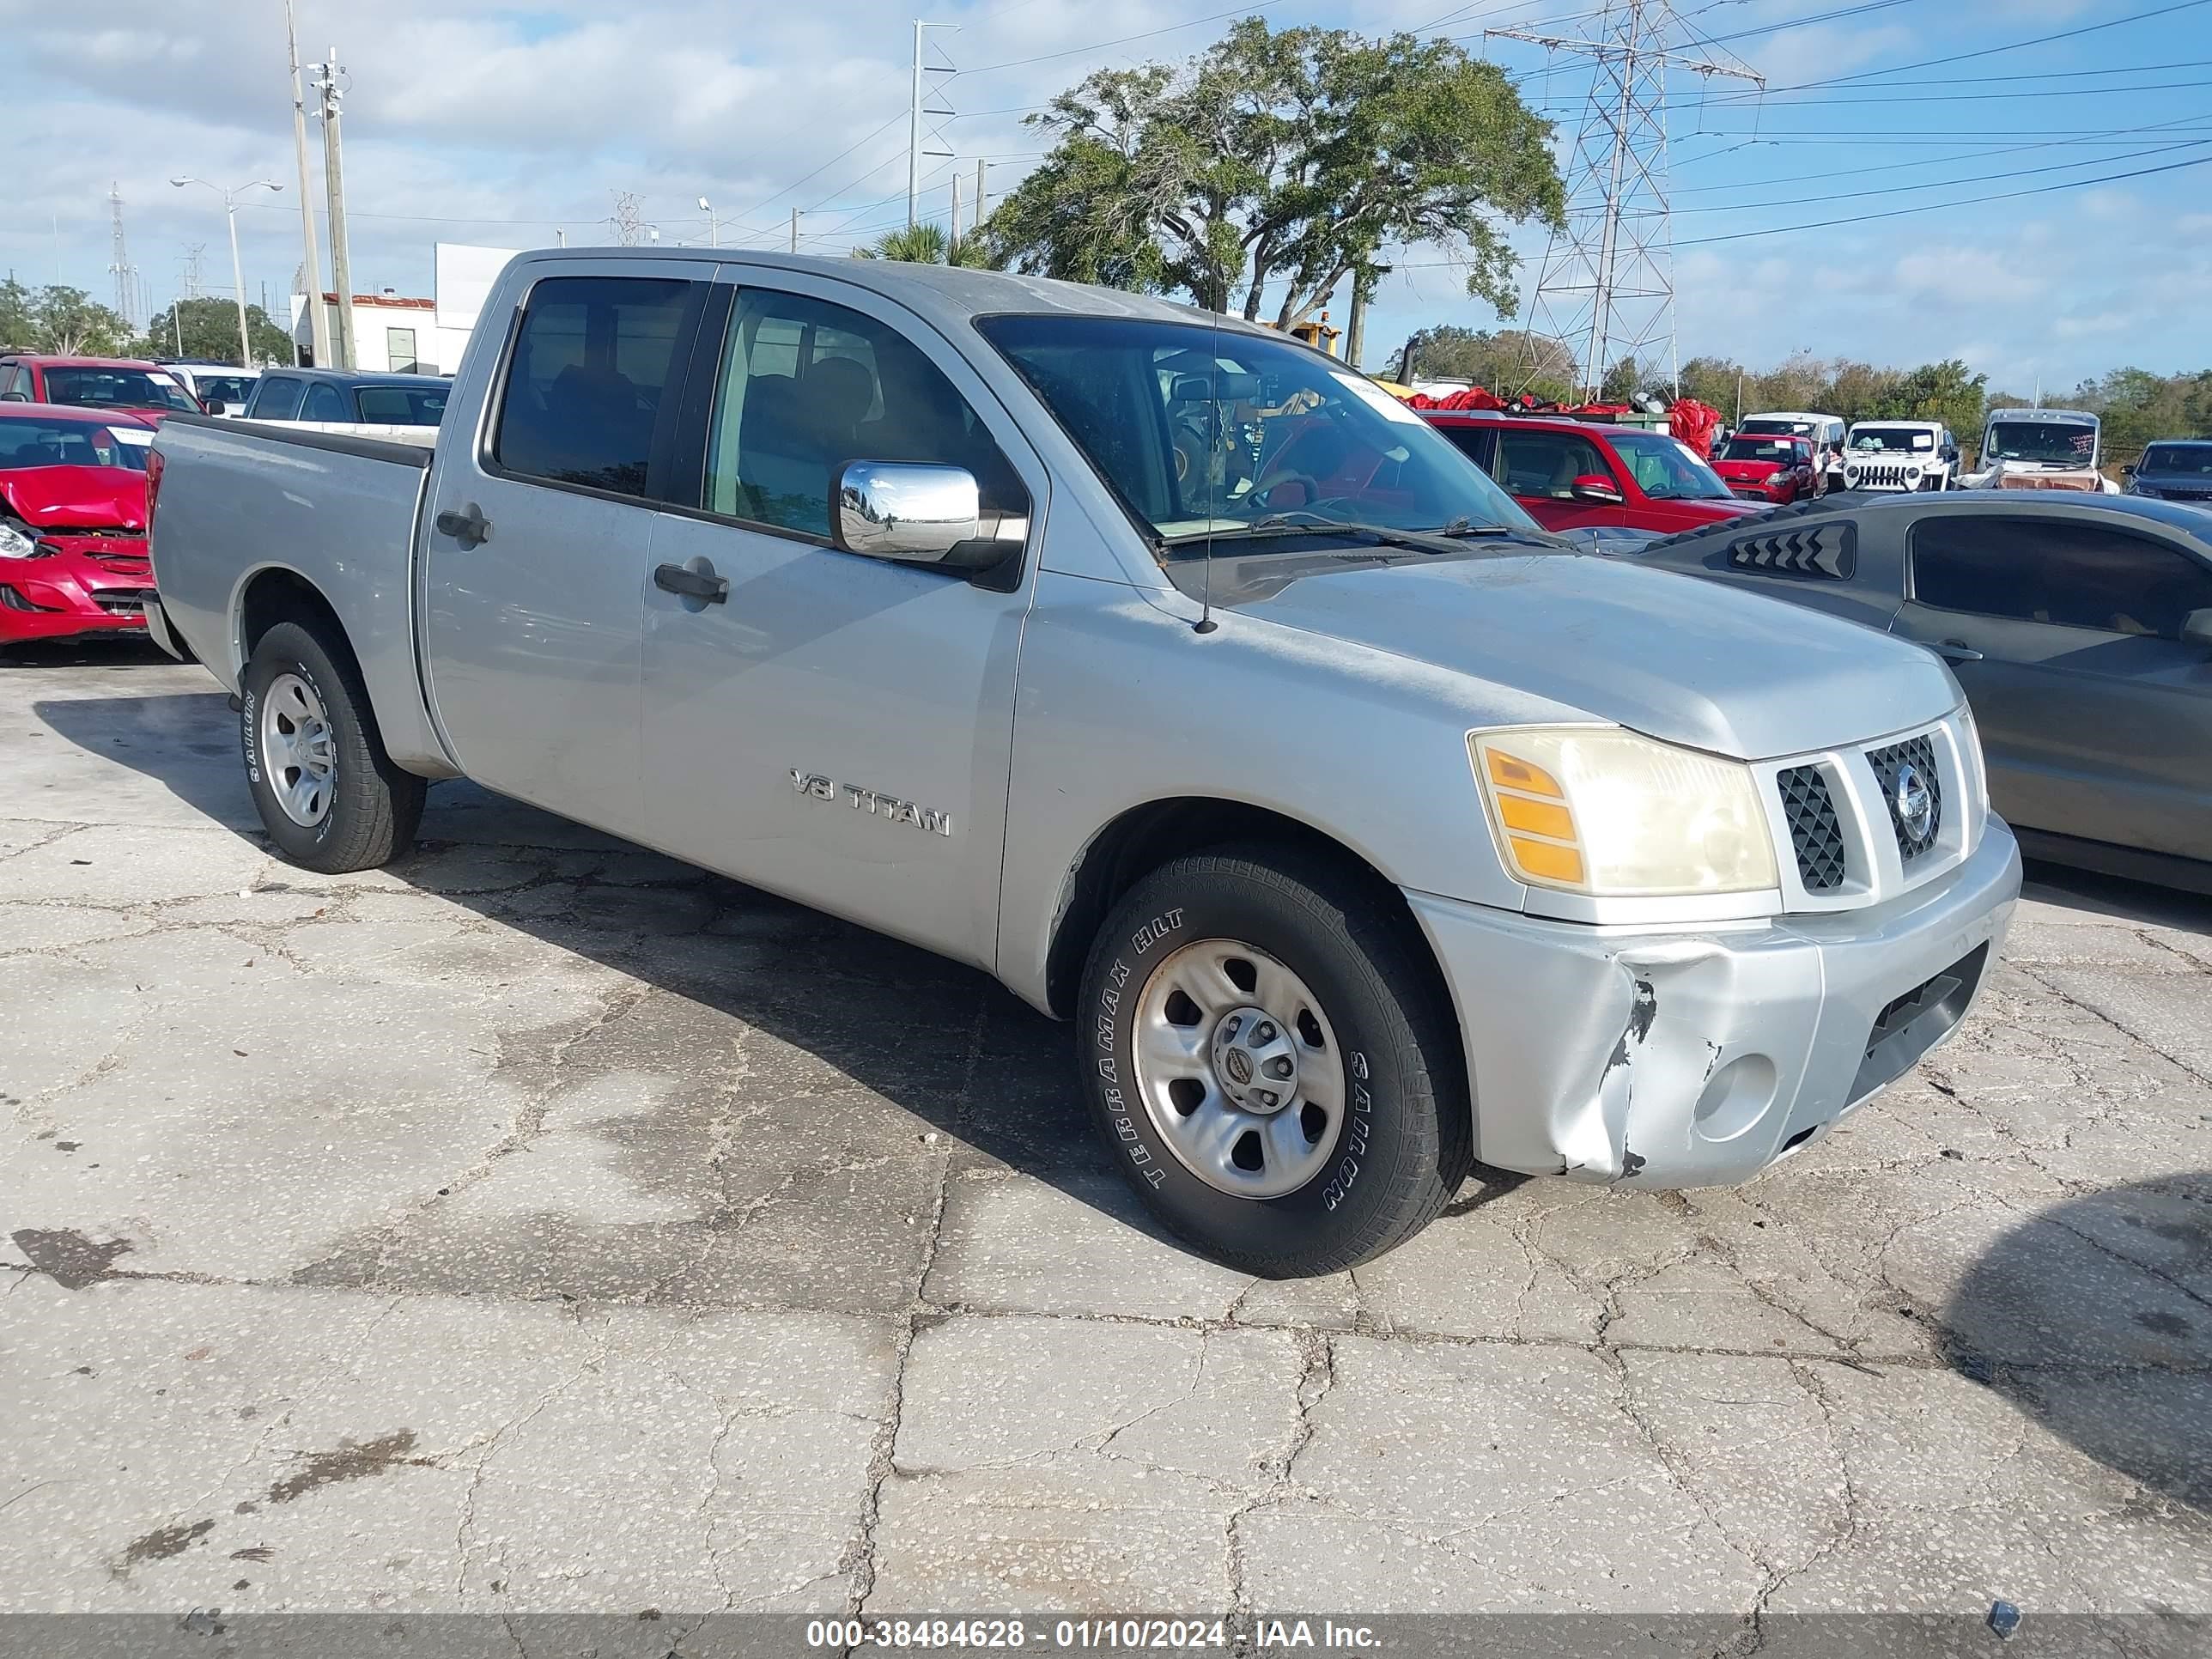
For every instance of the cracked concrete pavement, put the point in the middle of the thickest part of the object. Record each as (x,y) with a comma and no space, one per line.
(542,1225)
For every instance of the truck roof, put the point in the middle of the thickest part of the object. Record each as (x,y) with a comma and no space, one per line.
(2054,416)
(944,293)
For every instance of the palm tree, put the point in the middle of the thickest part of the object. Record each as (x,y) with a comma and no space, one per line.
(926,245)
(922,245)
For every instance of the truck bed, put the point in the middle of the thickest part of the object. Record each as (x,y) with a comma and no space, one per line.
(239,500)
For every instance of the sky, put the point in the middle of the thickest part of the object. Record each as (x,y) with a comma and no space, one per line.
(512,124)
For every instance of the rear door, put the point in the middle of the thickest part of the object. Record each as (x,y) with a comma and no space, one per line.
(537,537)
(2095,715)
(835,728)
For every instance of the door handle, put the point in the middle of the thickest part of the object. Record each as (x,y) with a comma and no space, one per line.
(1958,651)
(692,584)
(468,526)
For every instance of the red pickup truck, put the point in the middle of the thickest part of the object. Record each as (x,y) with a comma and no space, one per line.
(1575,475)
(73,554)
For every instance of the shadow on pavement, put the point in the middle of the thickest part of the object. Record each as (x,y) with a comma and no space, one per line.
(2094,894)
(85,651)
(2095,1319)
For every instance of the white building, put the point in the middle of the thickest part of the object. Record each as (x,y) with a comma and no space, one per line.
(390,331)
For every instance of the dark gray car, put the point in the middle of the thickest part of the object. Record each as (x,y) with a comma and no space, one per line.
(329,397)
(2079,627)
(2173,469)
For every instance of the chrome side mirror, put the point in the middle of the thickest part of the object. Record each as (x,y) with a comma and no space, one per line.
(902,510)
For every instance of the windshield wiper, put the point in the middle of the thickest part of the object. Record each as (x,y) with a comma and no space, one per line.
(1468,529)
(1276,525)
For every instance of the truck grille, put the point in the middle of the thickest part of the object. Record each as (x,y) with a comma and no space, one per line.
(1885,476)
(1816,831)
(1919,754)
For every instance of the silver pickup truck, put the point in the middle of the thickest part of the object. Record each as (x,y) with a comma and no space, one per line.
(1158,665)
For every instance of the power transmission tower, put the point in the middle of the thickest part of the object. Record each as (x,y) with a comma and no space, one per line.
(192,256)
(126,290)
(629,228)
(914,113)
(1606,290)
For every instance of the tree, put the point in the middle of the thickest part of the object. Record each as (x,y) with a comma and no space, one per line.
(1281,160)
(1942,392)
(923,244)
(1505,362)
(1713,381)
(61,320)
(208,328)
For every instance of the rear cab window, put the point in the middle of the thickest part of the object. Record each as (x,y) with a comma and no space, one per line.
(277,399)
(593,375)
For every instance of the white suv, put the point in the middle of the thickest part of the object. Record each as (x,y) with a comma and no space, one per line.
(1900,455)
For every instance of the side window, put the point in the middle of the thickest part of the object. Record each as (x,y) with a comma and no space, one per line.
(2070,575)
(1546,463)
(278,398)
(806,387)
(325,402)
(591,369)
(6,379)
(1478,443)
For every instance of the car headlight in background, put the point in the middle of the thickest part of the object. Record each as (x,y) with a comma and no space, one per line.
(13,544)
(1851,475)
(1600,811)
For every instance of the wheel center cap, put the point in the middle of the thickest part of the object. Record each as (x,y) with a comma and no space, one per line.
(1255,1062)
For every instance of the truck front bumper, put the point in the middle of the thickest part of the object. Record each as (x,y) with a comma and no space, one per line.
(1696,1058)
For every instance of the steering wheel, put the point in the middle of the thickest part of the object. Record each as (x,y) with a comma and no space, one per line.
(1266,486)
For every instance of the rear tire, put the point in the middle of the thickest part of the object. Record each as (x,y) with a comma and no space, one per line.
(328,796)
(1309,974)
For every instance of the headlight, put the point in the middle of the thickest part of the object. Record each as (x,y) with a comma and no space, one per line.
(1850,475)
(1596,810)
(13,544)
(1912,473)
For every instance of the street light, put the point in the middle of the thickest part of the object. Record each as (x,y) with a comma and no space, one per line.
(714,230)
(237,273)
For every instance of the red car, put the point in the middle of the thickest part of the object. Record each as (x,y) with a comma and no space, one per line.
(73,553)
(1762,467)
(1577,475)
(99,382)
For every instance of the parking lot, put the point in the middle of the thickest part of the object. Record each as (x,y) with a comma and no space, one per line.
(540,1224)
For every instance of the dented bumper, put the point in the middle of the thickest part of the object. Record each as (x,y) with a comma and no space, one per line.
(1692,1058)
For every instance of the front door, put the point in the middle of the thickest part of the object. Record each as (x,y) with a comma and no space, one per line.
(835,728)
(539,538)
(2094,714)
(1539,468)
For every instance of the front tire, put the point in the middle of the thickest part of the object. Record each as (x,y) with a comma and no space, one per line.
(1271,1062)
(328,796)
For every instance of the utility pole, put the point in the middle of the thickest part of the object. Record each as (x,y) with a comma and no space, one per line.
(914,113)
(327,83)
(980,165)
(318,328)
(794,230)
(714,230)
(952,235)
(1616,255)
(119,261)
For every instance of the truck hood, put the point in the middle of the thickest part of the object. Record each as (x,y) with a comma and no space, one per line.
(76,497)
(1672,656)
(1748,471)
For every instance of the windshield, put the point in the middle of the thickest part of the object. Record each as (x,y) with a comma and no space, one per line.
(1780,451)
(1200,429)
(1665,470)
(2195,459)
(1891,440)
(2067,442)
(70,443)
(402,405)
(118,388)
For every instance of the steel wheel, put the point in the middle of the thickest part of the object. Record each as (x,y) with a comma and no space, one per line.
(297,755)
(1238,1069)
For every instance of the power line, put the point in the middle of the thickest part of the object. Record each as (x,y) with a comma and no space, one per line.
(1945,184)
(1101,45)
